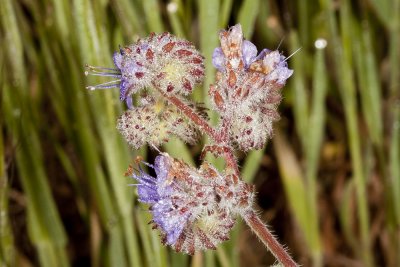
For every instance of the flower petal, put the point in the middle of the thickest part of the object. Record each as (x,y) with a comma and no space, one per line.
(249,51)
(277,66)
(129,102)
(162,167)
(148,194)
(262,54)
(271,60)
(170,221)
(124,88)
(218,59)
(117,58)
(280,75)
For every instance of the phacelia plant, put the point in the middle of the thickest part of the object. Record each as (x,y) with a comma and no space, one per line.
(195,209)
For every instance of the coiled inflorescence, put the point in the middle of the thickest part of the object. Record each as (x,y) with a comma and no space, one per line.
(163,60)
(194,209)
(246,91)
(153,121)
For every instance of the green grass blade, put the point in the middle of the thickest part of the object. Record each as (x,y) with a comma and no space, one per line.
(247,16)
(152,259)
(209,257)
(265,29)
(383,8)
(7,249)
(12,43)
(292,178)
(177,149)
(178,259)
(209,28)
(153,15)
(252,164)
(173,9)
(395,112)
(394,155)
(370,89)
(300,102)
(226,7)
(349,101)
(313,149)
(128,17)
(304,17)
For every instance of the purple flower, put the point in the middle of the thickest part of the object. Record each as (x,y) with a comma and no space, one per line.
(271,63)
(157,192)
(249,55)
(191,207)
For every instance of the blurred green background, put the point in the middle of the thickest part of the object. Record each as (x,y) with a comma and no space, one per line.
(328,182)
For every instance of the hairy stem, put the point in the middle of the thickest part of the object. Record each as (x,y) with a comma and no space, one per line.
(231,161)
(217,136)
(193,116)
(260,229)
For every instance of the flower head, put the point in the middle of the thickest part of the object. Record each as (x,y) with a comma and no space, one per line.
(246,91)
(162,60)
(193,208)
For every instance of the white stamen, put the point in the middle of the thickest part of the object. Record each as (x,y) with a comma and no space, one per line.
(107,85)
(104,74)
(279,45)
(293,54)
(94,68)
(156,148)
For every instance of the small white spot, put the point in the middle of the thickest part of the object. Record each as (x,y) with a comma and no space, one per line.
(172,7)
(86,73)
(320,43)
(91,88)
(235,62)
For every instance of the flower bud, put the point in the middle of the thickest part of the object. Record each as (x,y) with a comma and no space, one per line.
(153,123)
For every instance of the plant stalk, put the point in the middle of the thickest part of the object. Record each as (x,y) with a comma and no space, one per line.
(261,230)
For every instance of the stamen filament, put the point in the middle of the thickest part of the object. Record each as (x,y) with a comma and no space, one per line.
(106,74)
(298,49)
(95,68)
(101,87)
(107,85)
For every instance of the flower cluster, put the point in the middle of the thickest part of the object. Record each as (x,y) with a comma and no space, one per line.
(194,208)
(246,91)
(171,64)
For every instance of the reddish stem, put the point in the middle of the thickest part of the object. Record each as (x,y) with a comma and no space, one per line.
(218,137)
(261,230)
(231,161)
(193,116)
